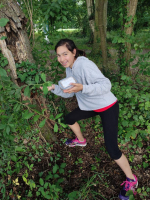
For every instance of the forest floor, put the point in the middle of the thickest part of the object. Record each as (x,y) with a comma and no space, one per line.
(89,169)
(94,155)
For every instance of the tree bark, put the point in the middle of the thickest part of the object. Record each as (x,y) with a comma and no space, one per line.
(90,8)
(131,11)
(102,11)
(16,48)
(96,43)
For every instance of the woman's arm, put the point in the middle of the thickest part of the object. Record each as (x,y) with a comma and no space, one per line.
(60,92)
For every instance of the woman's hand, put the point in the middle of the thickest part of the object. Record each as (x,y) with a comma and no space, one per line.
(76,88)
(49,88)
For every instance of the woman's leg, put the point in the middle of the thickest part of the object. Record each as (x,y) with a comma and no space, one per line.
(110,127)
(76,115)
(124,165)
(77,131)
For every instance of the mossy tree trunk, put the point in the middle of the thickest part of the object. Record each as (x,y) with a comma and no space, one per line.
(102,24)
(96,43)
(131,11)
(90,11)
(16,47)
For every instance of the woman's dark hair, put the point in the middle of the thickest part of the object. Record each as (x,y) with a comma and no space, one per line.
(70,46)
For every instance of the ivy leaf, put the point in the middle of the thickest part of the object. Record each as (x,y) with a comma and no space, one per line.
(55,128)
(3,22)
(2,126)
(7,129)
(36,117)
(28,116)
(55,167)
(17,107)
(42,123)
(45,89)
(41,181)
(3,37)
(43,77)
(63,125)
(2,72)
(37,78)
(63,165)
(20,149)
(27,91)
(58,116)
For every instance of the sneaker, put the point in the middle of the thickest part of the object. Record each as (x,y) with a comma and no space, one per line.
(75,142)
(130,184)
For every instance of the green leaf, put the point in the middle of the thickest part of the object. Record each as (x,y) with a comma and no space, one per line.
(145,164)
(61,170)
(20,149)
(37,78)
(14,158)
(45,89)
(10,118)
(55,168)
(63,125)
(63,165)
(48,83)
(27,91)
(7,129)
(55,128)
(43,77)
(3,22)
(2,72)
(41,181)
(16,107)
(12,127)
(23,76)
(3,37)
(58,116)
(36,117)
(2,126)
(42,123)
(73,195)
(27,115)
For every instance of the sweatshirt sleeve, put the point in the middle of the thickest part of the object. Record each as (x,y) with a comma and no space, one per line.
(100,87)
(94,82)
(59,92)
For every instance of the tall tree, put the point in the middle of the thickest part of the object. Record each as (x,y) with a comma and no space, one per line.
(102,23)
(90,11)
(96,43)
(129,25)
(15,46)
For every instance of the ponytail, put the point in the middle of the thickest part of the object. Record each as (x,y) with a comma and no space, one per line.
(80,53)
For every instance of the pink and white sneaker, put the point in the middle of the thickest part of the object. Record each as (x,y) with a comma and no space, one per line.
(75,142)
(129,185)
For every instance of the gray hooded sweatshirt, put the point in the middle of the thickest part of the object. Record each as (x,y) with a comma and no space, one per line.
(96,92)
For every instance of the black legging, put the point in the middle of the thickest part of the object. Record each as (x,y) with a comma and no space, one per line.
(110,126)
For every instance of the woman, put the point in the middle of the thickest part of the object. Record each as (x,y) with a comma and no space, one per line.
(94,96)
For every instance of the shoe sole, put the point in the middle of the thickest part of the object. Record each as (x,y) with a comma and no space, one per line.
(80,145)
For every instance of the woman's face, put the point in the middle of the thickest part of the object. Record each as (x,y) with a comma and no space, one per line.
(65,57)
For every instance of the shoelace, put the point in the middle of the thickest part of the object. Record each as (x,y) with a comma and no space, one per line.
(129,185)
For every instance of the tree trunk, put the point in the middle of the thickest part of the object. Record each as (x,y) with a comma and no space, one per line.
(102,11)
(131,11)
(90,8)
(96,43)
(16,47)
